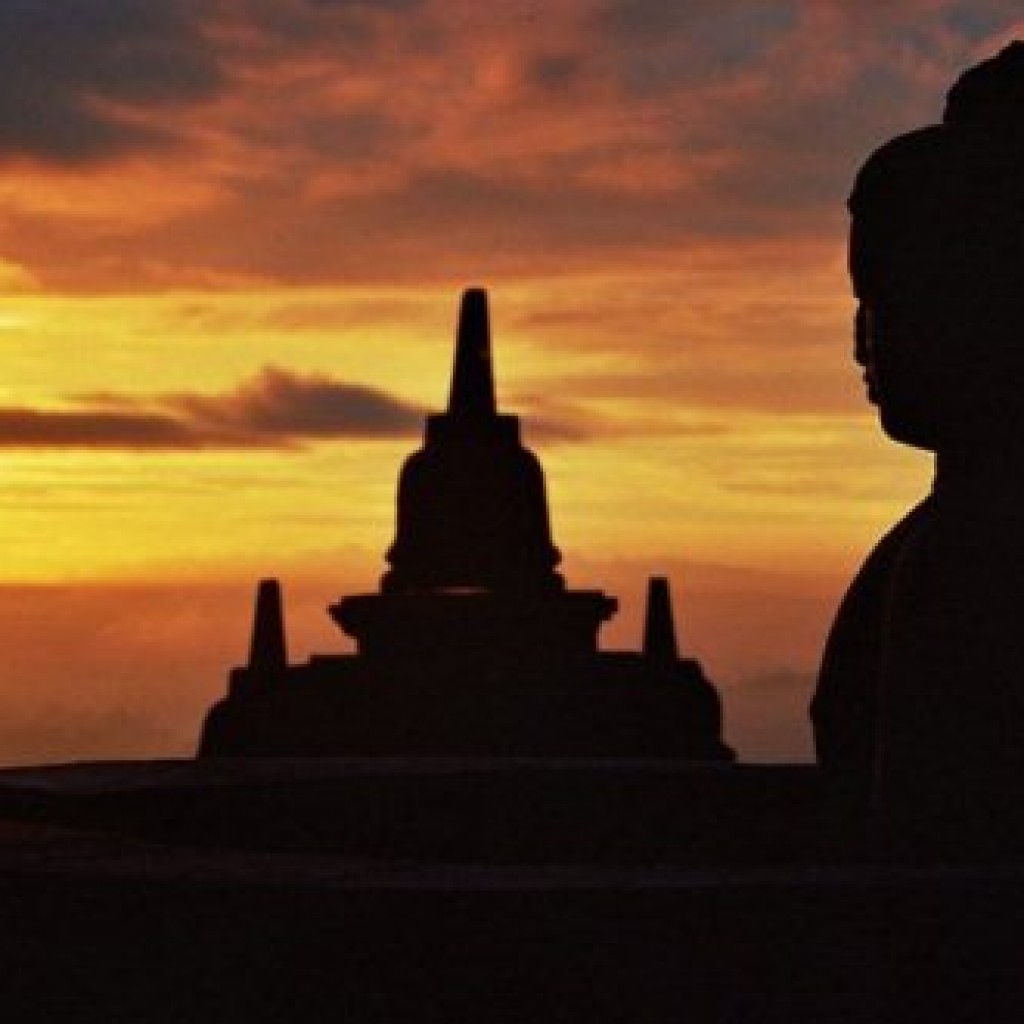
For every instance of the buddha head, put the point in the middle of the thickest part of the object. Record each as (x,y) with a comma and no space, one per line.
(937,263)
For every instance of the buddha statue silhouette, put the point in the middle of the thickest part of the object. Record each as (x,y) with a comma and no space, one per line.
(919,710)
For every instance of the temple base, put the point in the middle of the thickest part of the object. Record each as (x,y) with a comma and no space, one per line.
(609,705)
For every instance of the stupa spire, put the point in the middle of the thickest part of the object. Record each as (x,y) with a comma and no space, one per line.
(472,390)
(659,626)
(472,510)
(267,651)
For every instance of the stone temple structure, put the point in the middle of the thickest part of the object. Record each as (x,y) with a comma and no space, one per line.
(474,646)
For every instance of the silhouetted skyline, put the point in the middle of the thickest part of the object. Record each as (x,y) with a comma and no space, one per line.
(224,271)
(474,644)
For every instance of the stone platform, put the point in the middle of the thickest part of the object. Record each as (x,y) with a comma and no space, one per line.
(478,891)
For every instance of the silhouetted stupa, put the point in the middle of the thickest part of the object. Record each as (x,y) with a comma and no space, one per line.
(474,646)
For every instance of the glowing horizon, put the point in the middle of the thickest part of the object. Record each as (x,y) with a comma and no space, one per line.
(234,235)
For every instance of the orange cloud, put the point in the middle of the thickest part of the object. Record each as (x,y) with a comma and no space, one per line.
(302,142)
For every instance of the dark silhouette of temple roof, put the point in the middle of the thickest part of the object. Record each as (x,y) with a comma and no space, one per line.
(473,645)
(472,510)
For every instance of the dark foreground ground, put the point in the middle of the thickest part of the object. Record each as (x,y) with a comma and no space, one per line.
(478,892)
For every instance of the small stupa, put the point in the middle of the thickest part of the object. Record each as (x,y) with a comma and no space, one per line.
(473,646)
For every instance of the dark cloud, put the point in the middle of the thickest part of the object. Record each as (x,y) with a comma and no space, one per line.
(100,428)
(402,140)
(285,407)
(554,71)
(664,45)
(73,73)
(86,80)
(744,25)
(275,409)
(344,23)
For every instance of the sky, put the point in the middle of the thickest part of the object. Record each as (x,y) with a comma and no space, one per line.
(233,234)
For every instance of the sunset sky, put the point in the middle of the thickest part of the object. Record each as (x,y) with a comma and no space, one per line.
(232,238)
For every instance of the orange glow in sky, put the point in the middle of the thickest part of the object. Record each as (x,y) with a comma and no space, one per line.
(232,239)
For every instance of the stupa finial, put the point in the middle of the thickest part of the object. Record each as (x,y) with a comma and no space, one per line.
(267,652)
(472,391)
(659,627)
(472,511)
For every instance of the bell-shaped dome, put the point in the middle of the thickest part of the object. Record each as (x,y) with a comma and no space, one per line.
(472,508)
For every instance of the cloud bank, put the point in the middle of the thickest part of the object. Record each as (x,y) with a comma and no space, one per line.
(310,141)
(274,409)
(81,80)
